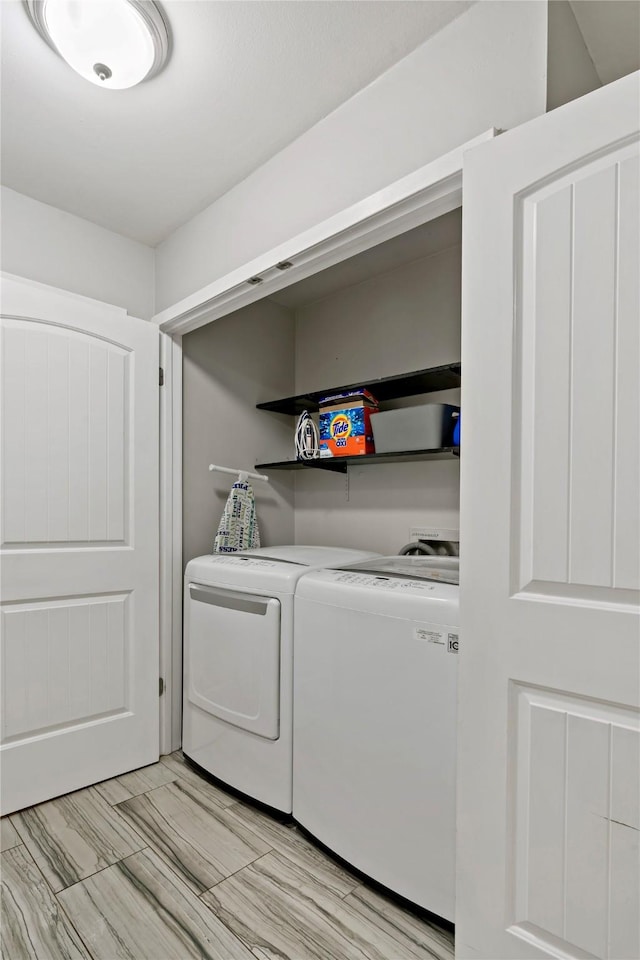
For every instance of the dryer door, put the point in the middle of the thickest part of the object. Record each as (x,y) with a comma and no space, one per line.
(232,651)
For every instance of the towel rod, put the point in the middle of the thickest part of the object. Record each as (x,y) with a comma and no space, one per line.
(241,474)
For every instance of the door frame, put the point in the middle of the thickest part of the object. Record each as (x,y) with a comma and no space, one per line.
(427,193)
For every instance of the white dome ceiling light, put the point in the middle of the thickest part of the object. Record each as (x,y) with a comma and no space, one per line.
(112,43)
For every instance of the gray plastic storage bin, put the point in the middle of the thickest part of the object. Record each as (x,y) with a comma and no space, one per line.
(424,427)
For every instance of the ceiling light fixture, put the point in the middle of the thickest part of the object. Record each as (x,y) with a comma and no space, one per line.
(112,43)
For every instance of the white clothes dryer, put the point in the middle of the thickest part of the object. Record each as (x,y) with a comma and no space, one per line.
(375,676)
(238,643)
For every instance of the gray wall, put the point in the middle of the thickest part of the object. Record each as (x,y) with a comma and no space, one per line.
(229,366)
(403,320)
(487,68)
(51,246)
(570,69)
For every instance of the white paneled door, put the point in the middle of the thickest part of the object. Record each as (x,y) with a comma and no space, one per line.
(79,554)
(549,742)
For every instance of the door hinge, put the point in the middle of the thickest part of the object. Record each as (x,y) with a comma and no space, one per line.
(161,377)
(161,687)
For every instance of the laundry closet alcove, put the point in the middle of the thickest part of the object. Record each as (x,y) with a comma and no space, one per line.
(372,292)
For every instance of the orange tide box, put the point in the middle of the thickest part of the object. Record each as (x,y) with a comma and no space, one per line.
(345,424)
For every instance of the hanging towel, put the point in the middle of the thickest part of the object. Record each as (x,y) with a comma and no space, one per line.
(238,528)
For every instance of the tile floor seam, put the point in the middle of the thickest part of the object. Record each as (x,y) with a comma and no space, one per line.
(177,880)
(119,816)
(133,795)
(219,816)
(348,894)
(55,896)
(156,847)
(290,856)
(275,956)
(236,872)
(26,847)
(431,949)
(146,792)
(101,870)
(36,844)
(160,787)
(431,952)
(82,940)
(9,823)
(169,865)
(329,891)
(234,801)
(259,836)
(35,863)
(294,858)
(172,869)
(185,780)
(421,946)
(235,933)
(22,843)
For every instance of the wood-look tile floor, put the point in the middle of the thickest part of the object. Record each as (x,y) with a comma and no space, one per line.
(160,864)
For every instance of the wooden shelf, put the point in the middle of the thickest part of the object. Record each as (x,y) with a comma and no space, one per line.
(445,377)
(341,464)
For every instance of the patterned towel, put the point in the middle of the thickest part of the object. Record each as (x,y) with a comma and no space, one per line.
(238,528)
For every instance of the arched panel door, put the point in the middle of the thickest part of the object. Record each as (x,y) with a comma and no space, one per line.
(79,541)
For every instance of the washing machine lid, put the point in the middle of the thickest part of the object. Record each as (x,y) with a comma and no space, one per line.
(387,586)
(268,569)
(441,569)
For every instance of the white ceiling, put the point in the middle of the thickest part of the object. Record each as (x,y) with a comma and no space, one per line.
(244,80)
(611,32)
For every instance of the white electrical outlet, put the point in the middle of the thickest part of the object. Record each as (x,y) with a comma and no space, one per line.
(432,533)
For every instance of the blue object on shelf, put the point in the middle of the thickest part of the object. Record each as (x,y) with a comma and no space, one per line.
(456,433)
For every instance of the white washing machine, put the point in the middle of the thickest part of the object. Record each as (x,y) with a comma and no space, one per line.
(238,642)
(375,673)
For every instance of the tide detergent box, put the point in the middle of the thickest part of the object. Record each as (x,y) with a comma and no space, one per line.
(345,424)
